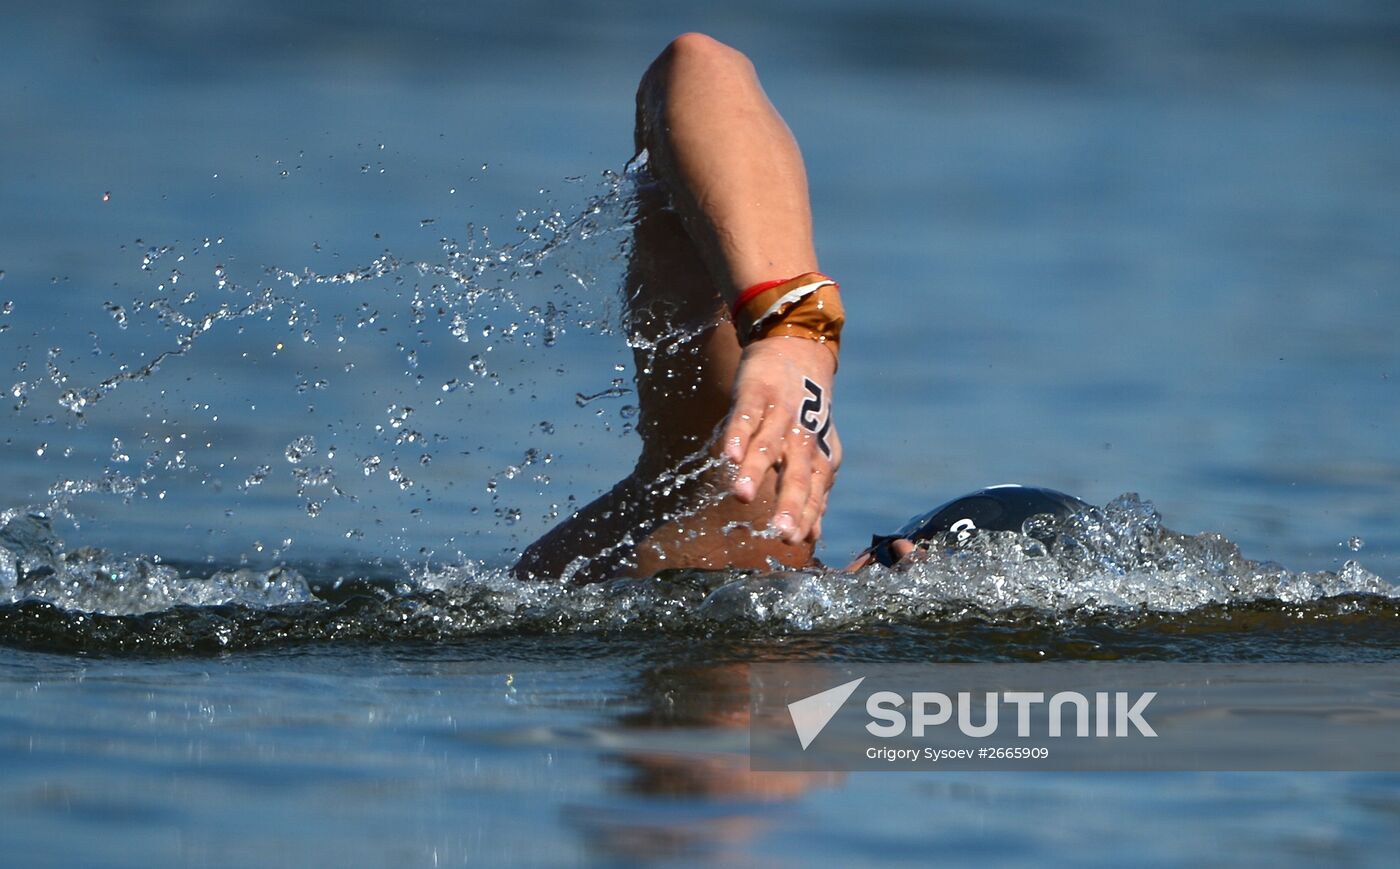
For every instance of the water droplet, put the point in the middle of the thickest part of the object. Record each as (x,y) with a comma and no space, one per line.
(1355,544)
(75,400)
(256,478)
(118,313)
(107,196)
(459,328)
(302,448)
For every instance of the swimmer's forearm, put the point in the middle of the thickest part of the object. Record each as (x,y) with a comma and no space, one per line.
(730,162)
(736,179)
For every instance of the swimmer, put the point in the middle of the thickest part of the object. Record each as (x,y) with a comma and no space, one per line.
(736,333)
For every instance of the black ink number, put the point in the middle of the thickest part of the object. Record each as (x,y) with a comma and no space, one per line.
(815,416)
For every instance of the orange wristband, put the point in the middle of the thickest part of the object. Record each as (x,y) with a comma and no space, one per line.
(807,306)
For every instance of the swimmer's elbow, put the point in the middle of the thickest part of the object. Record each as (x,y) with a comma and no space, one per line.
(695,64)
(698,46)
(700,54)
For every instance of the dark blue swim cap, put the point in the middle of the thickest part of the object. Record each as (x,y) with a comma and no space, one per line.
(999,508)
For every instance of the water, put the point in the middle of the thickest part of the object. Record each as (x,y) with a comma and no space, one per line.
(309,323)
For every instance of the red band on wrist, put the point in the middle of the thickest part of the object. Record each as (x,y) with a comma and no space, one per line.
(805,306)
(748,295)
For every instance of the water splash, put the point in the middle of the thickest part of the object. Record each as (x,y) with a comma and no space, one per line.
(1115,562)
(35,567)
(512,301)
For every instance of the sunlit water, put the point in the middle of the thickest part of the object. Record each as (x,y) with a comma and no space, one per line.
(283,401)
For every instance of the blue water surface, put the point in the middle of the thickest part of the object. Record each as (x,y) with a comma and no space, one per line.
(1099,246)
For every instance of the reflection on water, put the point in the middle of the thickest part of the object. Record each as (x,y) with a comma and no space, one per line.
(690,790)
(555,750)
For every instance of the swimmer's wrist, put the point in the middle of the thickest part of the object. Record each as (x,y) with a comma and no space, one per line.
(805,306)
(796,345)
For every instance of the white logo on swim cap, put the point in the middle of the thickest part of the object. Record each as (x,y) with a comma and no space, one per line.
(964,528)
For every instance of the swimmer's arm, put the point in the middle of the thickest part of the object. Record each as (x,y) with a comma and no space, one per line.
(736,177)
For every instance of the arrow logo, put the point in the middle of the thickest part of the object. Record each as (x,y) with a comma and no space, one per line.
(811,714)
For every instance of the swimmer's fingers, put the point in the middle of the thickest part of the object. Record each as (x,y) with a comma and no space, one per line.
(739,447)
(815,509)
(762,452)
(823,478)
(792,516)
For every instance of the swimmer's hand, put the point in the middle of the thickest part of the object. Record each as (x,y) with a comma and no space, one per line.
(781,419)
